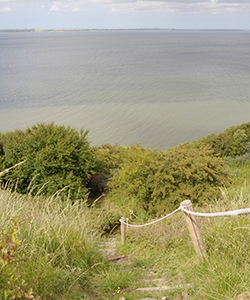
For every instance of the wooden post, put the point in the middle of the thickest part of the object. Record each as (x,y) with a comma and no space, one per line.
(127,223)
(123,231)
(194,230)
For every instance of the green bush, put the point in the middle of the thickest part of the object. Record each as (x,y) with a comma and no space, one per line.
(110,157)
(157,181)
(55,157)
(231,142)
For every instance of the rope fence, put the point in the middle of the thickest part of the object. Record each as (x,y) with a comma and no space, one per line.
(151,223)
(187,208)
(231,213)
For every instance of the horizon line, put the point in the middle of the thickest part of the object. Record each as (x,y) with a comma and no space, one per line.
(120,29)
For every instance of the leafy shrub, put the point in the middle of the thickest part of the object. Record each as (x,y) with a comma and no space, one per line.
(231,142)
(157,181)
(110,157)
(241,159)
(55,157)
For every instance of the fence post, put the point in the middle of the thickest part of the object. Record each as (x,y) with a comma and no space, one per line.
(127,223)
(194,230)
(123,231)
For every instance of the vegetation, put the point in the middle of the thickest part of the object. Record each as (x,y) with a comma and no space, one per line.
(53,253)
(52,249)
(55,157)
(232,142)
(157,181)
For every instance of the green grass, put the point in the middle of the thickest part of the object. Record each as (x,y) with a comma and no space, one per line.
(60,242)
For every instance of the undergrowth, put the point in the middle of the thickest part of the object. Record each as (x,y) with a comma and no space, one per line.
(58,254)
(58,250)
(165,250)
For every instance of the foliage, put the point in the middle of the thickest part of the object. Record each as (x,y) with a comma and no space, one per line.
(231,142)
(110,157)
(107,220)
(11,283)
(166,249)
(59,253)
(241,159)
(55,157)
(157,181)
(62,258)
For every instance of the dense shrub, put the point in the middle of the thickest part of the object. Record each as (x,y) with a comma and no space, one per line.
(157,181)
(110,157)
(231,142)
(55,157)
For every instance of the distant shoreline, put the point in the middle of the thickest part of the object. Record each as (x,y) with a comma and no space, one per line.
(110,30)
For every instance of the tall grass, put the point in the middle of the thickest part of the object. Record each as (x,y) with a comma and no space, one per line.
(166,250)
(59,243)
(61,258)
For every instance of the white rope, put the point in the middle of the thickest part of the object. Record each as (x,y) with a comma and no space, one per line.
(231,213)
(153,221)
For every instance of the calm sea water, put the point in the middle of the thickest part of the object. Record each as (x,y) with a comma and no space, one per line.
(156,88)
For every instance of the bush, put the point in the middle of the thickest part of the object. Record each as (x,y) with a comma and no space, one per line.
(157,181)
(55,157)
(110,157)
(231,142)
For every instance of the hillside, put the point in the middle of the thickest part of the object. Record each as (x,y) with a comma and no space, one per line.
(55,247)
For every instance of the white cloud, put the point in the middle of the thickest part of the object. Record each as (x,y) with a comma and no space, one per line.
(192,6)
(126,6)
(76,9)
(54,8)
(6,9)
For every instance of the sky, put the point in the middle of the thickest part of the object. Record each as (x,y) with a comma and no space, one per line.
(124,14)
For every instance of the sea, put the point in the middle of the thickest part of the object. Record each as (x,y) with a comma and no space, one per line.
(157,88)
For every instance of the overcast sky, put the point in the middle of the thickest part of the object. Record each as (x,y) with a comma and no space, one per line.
(115,14)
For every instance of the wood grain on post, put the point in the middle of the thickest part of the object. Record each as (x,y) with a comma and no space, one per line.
(123,231)
(127,223)
(194,230)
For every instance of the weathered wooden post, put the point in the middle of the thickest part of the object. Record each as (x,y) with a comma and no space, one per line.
(127,223)
(194,229)
(123,231)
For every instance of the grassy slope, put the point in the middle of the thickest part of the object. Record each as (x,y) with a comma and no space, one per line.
(58,252)
(165,250)
(62,261)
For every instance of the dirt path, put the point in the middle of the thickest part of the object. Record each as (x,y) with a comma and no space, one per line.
(108,248)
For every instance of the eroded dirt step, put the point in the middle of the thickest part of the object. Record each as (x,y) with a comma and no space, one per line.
(108,248)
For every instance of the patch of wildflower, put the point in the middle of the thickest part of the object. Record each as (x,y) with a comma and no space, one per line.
(117,291)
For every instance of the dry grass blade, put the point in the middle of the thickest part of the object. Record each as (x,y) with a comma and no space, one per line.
(8,169)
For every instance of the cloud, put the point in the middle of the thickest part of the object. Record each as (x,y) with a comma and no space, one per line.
(178,5)
(6,9)
(68,5)
(233,1)
(54,8)
(76,9)
(127,6)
